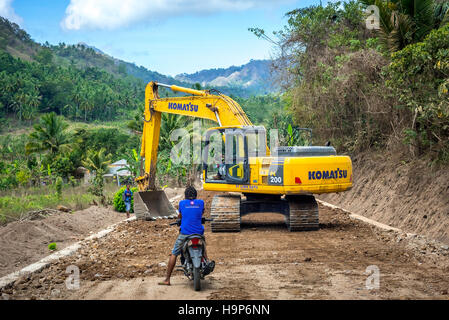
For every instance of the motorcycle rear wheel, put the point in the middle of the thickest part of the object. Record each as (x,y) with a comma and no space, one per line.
(196,279)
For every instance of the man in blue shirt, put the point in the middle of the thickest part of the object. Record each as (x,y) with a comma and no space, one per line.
(191,211)
(127,196)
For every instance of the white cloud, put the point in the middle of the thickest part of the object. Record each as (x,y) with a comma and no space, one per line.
(112,14)
(7,11)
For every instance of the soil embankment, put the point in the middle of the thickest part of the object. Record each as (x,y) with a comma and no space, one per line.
(409,196)
(25,242)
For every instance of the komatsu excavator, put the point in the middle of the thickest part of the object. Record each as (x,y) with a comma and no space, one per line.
(256,179)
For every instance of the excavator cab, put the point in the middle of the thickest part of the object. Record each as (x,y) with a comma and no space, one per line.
(229,162)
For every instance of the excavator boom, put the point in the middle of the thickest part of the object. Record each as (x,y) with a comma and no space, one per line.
(202,104)
(216,107)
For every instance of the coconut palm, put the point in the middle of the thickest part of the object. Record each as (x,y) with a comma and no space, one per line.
(97,161)
(49,135)
(169,123)
(136,124)
(133,163)
(404,22)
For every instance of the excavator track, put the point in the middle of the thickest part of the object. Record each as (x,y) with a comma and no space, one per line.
(225,212)
(303,213)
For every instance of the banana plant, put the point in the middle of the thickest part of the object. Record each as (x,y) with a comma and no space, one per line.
(132,163)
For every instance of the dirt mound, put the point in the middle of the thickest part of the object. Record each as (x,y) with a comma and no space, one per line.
(409,196)
(263,261)
(25,242)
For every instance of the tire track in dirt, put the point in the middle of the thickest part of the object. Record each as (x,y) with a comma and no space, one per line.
(263,261)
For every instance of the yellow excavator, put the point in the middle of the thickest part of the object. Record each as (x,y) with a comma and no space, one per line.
(255,178)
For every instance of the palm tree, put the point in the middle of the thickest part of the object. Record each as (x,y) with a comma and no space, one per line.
(77,98)
(133,163)
(20,99)
(49,135)
(97,161)
(136,124)
(33,101)
(169,123)
(404,22)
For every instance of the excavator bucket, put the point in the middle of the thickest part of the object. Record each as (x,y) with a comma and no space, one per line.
(150,205)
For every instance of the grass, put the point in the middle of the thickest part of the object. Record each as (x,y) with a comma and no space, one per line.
(116,124)
(10,125)
(17,202)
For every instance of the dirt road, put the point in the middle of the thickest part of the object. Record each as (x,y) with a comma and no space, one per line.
(263,261)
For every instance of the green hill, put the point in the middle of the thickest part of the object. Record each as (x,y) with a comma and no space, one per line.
(244,81)
(19,44)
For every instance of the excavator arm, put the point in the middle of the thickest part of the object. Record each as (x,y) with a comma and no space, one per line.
(282,182)
(204,104)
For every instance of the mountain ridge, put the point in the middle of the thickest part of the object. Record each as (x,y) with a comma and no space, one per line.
(254,76)
(247,80)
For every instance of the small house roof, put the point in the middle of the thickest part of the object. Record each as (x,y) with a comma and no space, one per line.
(116,168)
(120,163)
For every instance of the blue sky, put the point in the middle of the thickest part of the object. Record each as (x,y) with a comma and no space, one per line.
(168,36)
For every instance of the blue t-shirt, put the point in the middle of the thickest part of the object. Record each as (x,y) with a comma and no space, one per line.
(192,212)
(128,195)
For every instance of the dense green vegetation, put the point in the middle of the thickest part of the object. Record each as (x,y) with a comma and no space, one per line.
(366,89)
(60,98)
(68,106)
(29,88)
(52,149)
(259,108)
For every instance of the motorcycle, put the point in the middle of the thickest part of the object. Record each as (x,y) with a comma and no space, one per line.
(193,263)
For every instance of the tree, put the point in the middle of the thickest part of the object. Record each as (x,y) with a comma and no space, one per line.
(404,22)
(169,123)
(122,69)
(97,162)
(45,56)
(49,135)
(33,100)
(133,163)
(136,124)
(419,76)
